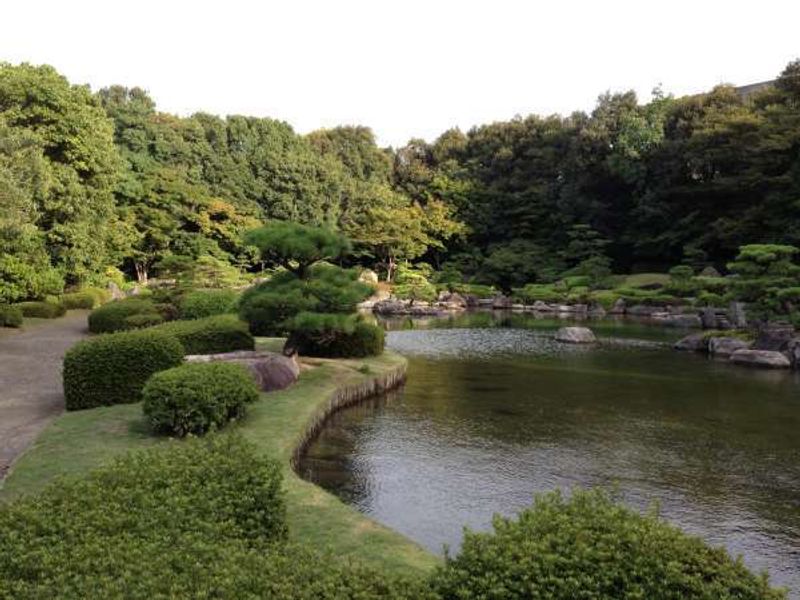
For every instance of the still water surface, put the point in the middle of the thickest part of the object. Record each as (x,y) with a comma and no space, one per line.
(492,414)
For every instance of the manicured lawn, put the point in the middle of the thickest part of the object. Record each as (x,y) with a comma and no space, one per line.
(79,441)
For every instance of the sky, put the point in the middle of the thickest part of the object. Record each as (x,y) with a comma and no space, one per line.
(410,68)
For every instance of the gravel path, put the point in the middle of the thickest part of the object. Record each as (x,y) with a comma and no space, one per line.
(30,382)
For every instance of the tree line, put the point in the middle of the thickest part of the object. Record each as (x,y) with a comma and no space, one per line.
(91,183)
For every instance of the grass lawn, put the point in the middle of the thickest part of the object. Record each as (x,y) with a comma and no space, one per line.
(79,441)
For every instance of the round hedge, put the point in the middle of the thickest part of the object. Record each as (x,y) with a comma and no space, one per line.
(197,397)
(208,303)
(10,316)
(334,336)
(112,317)
(112,369)
(223,333)
(587,546)
(42,310)
(78,300)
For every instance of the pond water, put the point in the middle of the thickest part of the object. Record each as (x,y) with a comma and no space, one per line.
(495,411)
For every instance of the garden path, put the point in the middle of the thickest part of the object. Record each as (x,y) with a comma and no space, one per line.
(30,381)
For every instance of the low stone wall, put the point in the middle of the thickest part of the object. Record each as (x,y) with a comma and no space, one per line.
(344,396)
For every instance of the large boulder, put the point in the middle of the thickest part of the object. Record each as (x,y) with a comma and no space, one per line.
(774,336)
(541,306)
(502,302)
(390,307)
(575,335)
(723,347)
(768,359)
(452,300)
(792,352)
(270,370)
(695,342)
(116,293)
(619,307)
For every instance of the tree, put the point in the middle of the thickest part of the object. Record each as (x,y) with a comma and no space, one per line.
(763,271)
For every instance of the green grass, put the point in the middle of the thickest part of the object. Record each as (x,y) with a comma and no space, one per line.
(79,441)
(645,280)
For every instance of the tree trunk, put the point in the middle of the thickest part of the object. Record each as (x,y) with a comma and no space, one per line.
(141,272)
(390,267)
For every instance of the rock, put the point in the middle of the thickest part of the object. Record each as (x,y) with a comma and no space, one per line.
(452,300)
(792,352)
(725,346)
(737,315)
(471,300)
(379,296)
(640,310)
(501,302)
(136,291)
(271,371)
(618,307)
(486,302)
(686,321)
(116,293)
(518,307)
(368,276)
(774,336)
(541,306)
(575,335)
(710,272)
(390,307)
(695,342)
(767,359)
(597,311)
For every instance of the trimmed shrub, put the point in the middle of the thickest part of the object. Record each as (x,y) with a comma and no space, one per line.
(207,303)
(535,291)
(197,397)
(587,546)
(605,298)
(42,310)
(112,369)
(334,336)
(143,320)
(223,333)
(112,316)
(10,316)
(78,300)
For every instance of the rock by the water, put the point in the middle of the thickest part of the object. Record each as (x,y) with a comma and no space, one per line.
(541,306)
(619,307)
(502,302)
(597,311)
(774,336)
(379,296)
(695,342)
(792,352)
(575,335)
(725,346)
(686,321)
(641,310)
(768,359)
(452,300)
(271,371)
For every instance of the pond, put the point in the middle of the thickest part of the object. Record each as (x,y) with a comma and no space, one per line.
(495,411)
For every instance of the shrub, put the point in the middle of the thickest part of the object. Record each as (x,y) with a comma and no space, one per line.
(709,299)
(78,300)
(112,316)
(42,310)
(142,320)
(474,289)
(223,333)
(112,369)
(589,547)
(534,292)
(207,303)
(197,397)
(335,336)
(605,298)
(10,316)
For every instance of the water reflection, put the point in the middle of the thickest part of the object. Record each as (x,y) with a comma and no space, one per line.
(491,416)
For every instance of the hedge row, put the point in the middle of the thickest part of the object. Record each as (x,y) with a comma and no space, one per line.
(198,397)
(42,309)
(222,333)
(10,316)
(112,369)
(115,316)
(207,303)
(86,298)
(334,336)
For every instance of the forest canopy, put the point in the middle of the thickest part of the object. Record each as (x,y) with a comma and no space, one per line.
(92,182)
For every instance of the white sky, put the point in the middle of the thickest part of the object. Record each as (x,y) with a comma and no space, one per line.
(409,68)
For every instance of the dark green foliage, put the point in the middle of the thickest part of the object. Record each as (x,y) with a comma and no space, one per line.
(142,320)
(113,316)
(296,247)
(589,547)
(212,335)
(207,303)
(197,397)
(112,369)
(10,316)
(78,300)
(762,270)
(539,292)
(42,309)
(326,289)
(334,336)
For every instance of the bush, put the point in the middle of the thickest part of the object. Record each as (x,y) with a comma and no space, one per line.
(197,397)
(212,335)
(534,292)
(207,303)
(10,316)
(42,310)
(112,369)
(605,298)
(589,547)
(143,320)
(112,316)
(78,300)
(335,336)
